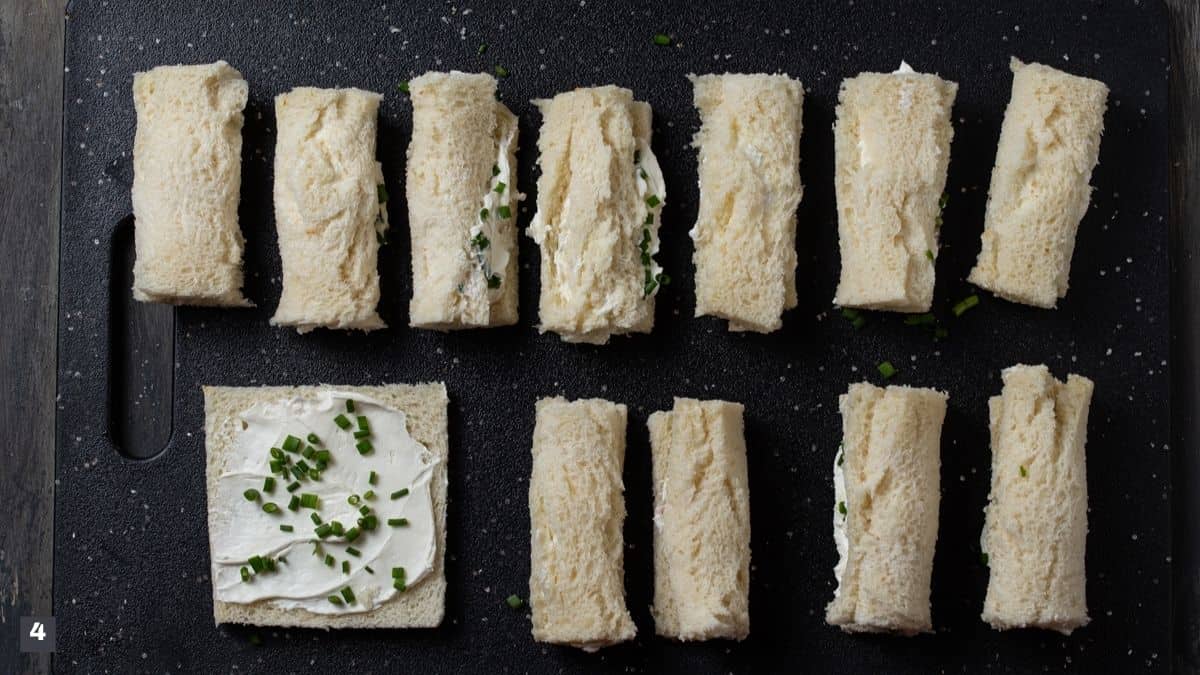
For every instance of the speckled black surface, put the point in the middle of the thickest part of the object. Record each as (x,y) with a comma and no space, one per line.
(131,566)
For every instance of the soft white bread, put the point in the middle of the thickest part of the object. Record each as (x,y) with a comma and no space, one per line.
(745,233)
(576,511)
(701,521)
(187,175)
(424,405)
(1035,529)
(1049,144)
(892,463)
(596,229)
(329,210)
(463,146)
(892,147)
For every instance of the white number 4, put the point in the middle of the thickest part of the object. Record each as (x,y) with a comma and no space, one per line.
(38,631)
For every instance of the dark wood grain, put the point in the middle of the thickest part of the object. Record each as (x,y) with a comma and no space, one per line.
(31,66)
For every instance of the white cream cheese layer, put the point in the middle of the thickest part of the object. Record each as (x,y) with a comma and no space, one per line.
(867,137)
(492,259)
(302,579)
(651,187)
(839,519)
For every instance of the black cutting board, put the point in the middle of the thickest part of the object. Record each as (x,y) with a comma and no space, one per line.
(131,585)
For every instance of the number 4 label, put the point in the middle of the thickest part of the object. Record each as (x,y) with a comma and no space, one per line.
(37,633)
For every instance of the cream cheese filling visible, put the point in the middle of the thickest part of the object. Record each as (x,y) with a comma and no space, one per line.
(650,185)
(491,260)
(302,579)
(839,519)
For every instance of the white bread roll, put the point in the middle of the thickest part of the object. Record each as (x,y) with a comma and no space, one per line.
(701,521)
(890,470)
(1035,530)
(187,175)
(329,208)
(1049,144)
(576,511)
(599,199)
(892,146)
(745,233)
(464,234)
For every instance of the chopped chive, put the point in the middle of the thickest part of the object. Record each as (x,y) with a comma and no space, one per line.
(402,492)
(501,71)
(854,316)
(245,573)
(1024,472)
(480,241)
(369,494)
(983,558)
(309,501)
(494,281)
(662,40)
(368,569)
(336,528)
(324,456)
(308,452)
(276,453)
(314,439)
(348,594)
(335,600)
(514,601)
(482,49)
(649,219)
(362,433)
(653,201)
(286,528)
(499,189)
(270,562)
(365,510)
(349,405)
(841,458)
(345,567)
(269,484)
(403,86)
(400,585)
(277,466)
(929,254)
(483,214)
(943,200)
(324,530)
(353,500)
(271,507)
(299,473)
(926,319)
(315,518)
(398,522)
(342,421)
(329,560)
(303,466)
(842,508)
(495,170)
(886,369)
(363,423)
(314,474)
(291,443)
(397,572)
(381,193)
(257,564)
(353,551)
(372,478)
(504,212)
(364,446)
(293,486)
(352,534)
(294,504)
(368,522)
(965,304)
(642,173)
(251,495)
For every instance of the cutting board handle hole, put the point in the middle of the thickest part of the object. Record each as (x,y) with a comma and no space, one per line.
(141,376)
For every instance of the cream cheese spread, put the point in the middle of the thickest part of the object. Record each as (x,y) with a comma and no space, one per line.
(839,519)
(498,205)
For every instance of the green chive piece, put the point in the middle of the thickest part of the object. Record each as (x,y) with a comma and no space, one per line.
(309,501)
(887,370)
(270,564)
(293,486)
(501,71)
(362,433)
(286,528)
(276,453)
(294,504)
(364,446)
(965,304)
(480,242)
(352,534)
(649,219)
(983,558)
(353,551)
(403,86)
(349,405)
(314,439)
(397,572)
(943,200)
(504,212)
(926,319)
(369,494)
(368,522)
(842,508)
(291,443)
(309,452)
(329,560)
(365,510)
(277,466)
(353,500)
(398,522)
(324,530)
(372,478)
(324,456)
(495,170)
(342,421)
(402,492)
(494,281)
(315,518)
(381,192)
(653,201)
(336,528)
(499,189)
(298,472)
(400,585)
(514,601)
(368,569)
(345,567)
(251,495)
(483,214)
(303,466)
(271,507)
(363,423)
(482,49)
(662,40)
(313,474)
(348,594)
(269,484)
(929,254)
(1024,472)
(245,574)
(257,564)
(335,600)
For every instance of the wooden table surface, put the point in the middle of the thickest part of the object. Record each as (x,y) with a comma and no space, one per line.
(31,86)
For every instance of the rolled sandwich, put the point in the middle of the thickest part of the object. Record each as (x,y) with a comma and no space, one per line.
(745,233)
(1035,529)
(1049,144)
(885,518)
(892,147)
(576,510)
(600,196)
(330,209)
(187,174)
(462,203)
(701,521)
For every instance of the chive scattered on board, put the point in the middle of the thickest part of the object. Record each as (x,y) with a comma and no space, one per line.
(854,316)
(514,601)
(501,71)
(291,443)
(342,421)
(966,303)
(251,495)
(662,40)
(1024,472)
(887,370)
(403,86)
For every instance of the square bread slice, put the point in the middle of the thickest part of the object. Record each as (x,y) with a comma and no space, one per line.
(424,405)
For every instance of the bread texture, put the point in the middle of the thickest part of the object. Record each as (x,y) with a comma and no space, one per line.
(701,521)
(749,166)
(424,405)
(1049,145)
(329,208)
(892,463)
(576,512)
(597,231)
(892,146)
(461,136)
(187,175)
(1035,529)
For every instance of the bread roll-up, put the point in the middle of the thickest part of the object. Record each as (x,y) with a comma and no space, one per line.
(462,203)
(745,233)
(576,512)
(599,201)
(701,521)
(888,471)
(187,174)
(1035,529)
(329,208)
(892,148)
(1049,144)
